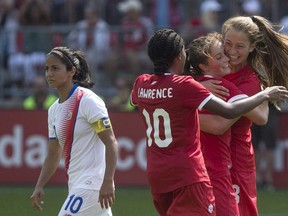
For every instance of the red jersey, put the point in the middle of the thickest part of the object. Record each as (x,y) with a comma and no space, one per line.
(216,148)
(168,104)
(242,151)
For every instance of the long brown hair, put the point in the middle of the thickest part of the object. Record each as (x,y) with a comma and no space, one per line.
(269,59)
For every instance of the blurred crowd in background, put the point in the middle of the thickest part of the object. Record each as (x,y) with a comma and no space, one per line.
(112,34)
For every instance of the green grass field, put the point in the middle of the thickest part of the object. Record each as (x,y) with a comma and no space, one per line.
(15,201)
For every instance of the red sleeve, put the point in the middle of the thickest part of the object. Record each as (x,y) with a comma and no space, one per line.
(133,95)
(197,93)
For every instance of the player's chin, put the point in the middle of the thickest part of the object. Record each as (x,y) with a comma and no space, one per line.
(225,71)
(51,84)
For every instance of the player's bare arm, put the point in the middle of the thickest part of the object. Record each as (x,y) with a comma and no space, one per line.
(107,191)
(48,169)
(218,106)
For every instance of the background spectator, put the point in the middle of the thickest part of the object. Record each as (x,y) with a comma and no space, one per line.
(40,97)
(92,36)
(59,5)
(76,10)
(8,30)
(121,100)
(23,69)
(34,16)
(34,13)
(33,43)
(8,43)
(251,7)
(208,21)
(20,51)
(168,13)
(210,15)
(112,14)
(129,55)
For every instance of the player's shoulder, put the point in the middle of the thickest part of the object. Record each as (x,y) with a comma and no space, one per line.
(183,77)
(165,78)
(89,95)
(227,84)
(186,82)
(145,76)
(85,91)
(54,107)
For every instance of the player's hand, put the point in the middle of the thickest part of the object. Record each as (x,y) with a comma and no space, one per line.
(216,88)
(107,194)
(37,198)
(276,93)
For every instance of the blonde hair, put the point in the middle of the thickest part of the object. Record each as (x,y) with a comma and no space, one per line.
(269,59)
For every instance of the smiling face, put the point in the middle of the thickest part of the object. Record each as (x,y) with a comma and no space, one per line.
(217,63)
(57,75)
(237,47)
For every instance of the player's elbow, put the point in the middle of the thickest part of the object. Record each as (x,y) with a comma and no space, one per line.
(261,121)
(258,118)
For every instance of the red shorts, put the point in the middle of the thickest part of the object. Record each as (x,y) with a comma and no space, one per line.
(244,184)
(192,200)
(225,197)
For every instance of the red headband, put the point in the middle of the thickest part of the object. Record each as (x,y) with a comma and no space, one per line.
(63,55)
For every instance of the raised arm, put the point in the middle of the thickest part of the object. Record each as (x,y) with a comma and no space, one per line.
(238,108)
(215,124)
(259,115)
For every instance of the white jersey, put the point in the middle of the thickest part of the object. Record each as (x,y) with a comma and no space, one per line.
(70,123)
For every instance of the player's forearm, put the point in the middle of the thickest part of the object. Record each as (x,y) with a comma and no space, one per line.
(215,124)
(48,169)
(111,160)
(243,106)
(259,115)
(111,152)
(235,109)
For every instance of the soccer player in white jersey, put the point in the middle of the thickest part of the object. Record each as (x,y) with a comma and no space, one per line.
(79,131)
(168,103)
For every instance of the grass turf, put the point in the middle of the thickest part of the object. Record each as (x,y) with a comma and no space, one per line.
(15,200)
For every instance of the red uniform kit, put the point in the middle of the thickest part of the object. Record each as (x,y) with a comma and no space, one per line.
(242,154)
(175,164)
(217,155)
